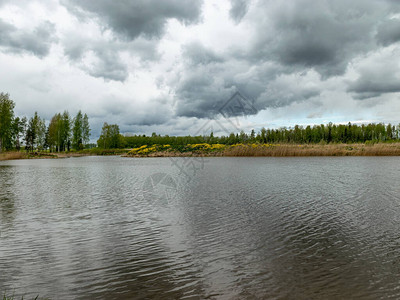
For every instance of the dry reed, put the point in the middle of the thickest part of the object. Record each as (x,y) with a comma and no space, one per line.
(316,150)
(12,155)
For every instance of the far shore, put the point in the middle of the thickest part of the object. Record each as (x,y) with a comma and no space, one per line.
(12,155)
(286,150)
(244,150)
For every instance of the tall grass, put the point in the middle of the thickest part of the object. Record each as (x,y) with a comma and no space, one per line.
(316,150)
(25,155)
(12,155)
(7,297)
(99,151)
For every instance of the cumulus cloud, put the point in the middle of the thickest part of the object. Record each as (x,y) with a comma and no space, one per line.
(169,64)
(37,41)
(131,19)
(106,64)
(239,9)
(206,81)
(378,73)
(196,54)
(324,35)
(137,27)
(389,32)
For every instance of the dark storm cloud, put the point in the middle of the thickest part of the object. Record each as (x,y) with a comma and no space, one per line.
(208,80)
(203,91)
(278,54)
(37,41)
(290,38)
(324,35)
(138,24)
(389,32)
(368,87)
(142,17)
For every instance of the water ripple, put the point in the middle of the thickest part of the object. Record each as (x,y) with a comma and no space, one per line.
(242,228)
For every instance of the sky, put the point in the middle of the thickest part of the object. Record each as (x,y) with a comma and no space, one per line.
(181,67)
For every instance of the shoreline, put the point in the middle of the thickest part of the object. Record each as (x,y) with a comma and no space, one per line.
(17,155)
(241,150)
(286,150)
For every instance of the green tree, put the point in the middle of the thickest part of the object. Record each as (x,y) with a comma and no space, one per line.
(30,135)
(65,132)
(59,132)
(6,120)
(54,133)
(110,137)
(40,131)
(252,135)
(263,135)
(85,130)
(77,132)
(19,126)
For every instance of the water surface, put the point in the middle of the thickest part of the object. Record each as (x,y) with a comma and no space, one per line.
(218,228)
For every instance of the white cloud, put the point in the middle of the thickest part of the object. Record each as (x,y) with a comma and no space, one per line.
(172,72)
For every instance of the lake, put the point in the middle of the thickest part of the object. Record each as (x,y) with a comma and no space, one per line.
(201,228)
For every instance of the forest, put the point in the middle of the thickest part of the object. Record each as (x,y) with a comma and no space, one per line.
(64,133)
(330,133)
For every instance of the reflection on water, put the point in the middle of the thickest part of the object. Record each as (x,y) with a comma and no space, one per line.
(241,228)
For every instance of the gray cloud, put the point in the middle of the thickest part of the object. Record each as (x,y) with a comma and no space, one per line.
(313,56)
(205,85)
(108,63)
(137,24)
(132,19)
(314,34)
(290,39)
(367,87)
(379,74)
(38,41)
(389,32)
(109,66)
(195,54)
(238,9)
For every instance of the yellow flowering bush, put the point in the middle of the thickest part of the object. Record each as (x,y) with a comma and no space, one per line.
(205,147)
(144,150)
(200,147)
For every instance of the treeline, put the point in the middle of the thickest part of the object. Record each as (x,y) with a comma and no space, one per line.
(63,133)
(330,133)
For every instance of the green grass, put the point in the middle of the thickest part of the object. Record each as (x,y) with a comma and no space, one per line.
(99,151)
(12,297)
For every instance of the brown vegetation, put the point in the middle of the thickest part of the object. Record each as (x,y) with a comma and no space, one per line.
(317,150)
(12,155)
(277,150)
(177,154)
(32,155)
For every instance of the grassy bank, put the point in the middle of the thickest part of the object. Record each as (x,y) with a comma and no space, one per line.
(204,149)
(25,155)
(317,150)
(101,152)
(12,297)
(274,150)
(11,155)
